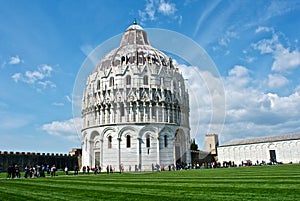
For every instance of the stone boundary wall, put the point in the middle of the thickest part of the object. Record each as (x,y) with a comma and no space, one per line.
(22,159)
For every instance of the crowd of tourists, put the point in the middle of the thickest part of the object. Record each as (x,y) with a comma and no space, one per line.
(97,169)
(34,171)
(14,171)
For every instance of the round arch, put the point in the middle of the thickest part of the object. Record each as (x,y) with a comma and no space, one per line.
(126,129)
(107,131)
(180,146)
(94,134)
(146,130)
(167,129)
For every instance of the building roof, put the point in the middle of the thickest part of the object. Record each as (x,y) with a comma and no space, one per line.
(134,48)
(295,136)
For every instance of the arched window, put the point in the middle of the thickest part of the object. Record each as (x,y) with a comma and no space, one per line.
(122,110)
(128,141)
(148,141)
(166,140)
(109,142)
(128,80)
(153,108)
(123,60)
(98,85)
(111,82)
(146,80)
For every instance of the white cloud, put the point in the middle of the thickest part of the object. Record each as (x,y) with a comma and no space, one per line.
(45,84)
(238,77)
(226,38)
(266,45)
(37,77)
(263,29)
(287,106)
(166,8)
(274,9)
(207,101)
(276,81)
(284,59)
(250,112)
(65,129)
(33,76)
(279,8)
(249,59)
(152,7)
(149,11)
(16,77)
(15,60)
(239,71)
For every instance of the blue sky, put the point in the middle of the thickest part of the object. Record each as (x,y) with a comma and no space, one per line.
(254,45)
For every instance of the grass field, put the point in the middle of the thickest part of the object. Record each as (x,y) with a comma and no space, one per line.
(245,183)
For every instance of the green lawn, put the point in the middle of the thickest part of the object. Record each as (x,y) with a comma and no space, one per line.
(246,183)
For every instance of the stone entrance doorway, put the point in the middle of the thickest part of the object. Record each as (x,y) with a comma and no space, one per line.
(272,156)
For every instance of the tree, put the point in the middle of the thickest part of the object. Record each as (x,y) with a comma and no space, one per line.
(194,146)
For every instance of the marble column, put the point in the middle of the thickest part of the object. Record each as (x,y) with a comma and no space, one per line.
(145,112)
(157,150)
(150,113)
(163,112)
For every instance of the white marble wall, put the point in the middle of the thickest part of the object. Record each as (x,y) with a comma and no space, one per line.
(96,140)
(286,152)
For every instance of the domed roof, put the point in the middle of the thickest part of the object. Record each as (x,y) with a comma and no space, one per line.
(134,48)
(134,35)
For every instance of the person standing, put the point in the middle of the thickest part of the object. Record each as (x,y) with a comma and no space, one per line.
(53,171)
(13,172)
(107,169)
(9,172)
(26,171)
(17,170)
(95,169)
(75,170)
(66,171)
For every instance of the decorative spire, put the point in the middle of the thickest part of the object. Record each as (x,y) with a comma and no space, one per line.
(134,21)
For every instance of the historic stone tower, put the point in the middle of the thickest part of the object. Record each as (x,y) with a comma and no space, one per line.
(211,143)
(135,108)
